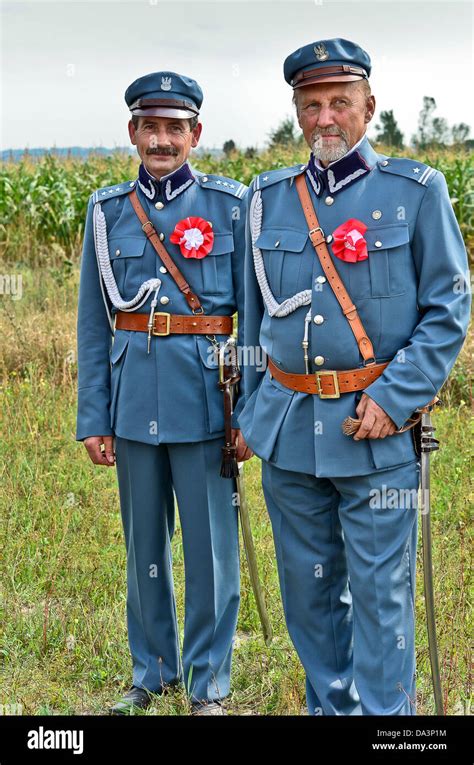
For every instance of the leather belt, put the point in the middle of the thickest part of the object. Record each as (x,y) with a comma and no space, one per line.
(173,324)
(328,383)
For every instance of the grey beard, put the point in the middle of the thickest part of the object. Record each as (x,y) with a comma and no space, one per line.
(329,153)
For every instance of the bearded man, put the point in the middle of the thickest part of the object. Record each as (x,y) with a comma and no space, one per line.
(355,287)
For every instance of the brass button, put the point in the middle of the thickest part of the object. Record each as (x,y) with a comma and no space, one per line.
(164,300)
(329,200)
(319,360)
(378,243)
(377,214)
(318,319)
(159,205)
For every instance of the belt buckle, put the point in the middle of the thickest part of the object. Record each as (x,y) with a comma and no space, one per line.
(168,324)
(328,373)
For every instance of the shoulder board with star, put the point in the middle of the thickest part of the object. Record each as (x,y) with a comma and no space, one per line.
(112,191)
(221,183)
(275,176)
(408,168)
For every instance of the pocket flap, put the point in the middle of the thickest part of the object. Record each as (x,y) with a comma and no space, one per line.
(223,242)
(207,352)
(126,247)
(289,239)
(120,343)
(386,237)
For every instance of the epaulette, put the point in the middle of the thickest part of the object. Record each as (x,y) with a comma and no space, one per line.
(112,191)
(221,183)
(274,176)
(408,168)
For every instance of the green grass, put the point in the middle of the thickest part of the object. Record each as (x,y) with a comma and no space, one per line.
(63,643)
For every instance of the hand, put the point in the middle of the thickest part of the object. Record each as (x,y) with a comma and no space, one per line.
(244,452)
(99,457)
(375,421)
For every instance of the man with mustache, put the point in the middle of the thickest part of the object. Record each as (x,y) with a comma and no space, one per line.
(356,288)
(162,275)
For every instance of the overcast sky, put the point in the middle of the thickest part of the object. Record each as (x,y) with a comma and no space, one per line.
(66,65)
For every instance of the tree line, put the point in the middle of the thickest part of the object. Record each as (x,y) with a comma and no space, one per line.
(432,132)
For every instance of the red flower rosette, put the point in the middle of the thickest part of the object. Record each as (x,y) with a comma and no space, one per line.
(349,243)
(194,237)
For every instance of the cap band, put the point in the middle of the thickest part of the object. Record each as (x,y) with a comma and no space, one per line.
(326,71)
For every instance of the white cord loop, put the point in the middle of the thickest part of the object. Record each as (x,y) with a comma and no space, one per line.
(107,274)
(275,309)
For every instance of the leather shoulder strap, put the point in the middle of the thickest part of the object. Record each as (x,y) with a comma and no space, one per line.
(150,232)
(318,240)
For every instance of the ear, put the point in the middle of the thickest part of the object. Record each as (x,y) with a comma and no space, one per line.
(369,108)
(196,135)
(132,132)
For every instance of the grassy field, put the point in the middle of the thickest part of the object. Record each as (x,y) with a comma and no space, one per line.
(63,643)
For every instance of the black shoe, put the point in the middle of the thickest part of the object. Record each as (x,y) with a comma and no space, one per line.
(137,698)
(207,708)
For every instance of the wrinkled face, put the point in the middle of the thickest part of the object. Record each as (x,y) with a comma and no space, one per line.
(333,117)
(163,143)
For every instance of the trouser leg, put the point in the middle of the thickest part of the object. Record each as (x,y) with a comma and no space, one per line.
(314,585)
(147,508)
(378,513)
(209,524)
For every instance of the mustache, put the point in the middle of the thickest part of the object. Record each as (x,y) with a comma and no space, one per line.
(328,131)
(166,151)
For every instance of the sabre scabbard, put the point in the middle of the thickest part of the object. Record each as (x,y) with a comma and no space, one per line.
(228,378)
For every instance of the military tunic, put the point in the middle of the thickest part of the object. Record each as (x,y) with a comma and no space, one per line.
(410,294)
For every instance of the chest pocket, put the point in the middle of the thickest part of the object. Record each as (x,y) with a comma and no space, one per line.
(385,272)
(126,257)
(288,269)
(215,270)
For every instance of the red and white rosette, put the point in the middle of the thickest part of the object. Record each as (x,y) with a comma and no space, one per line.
(349,243)
(194,236)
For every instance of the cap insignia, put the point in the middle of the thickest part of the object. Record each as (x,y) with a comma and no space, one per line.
(321,52)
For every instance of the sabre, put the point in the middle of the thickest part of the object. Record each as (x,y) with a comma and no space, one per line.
(229,375)
(429,444)
(250,554)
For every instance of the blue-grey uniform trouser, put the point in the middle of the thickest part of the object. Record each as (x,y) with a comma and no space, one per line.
(147,475)
(346,555)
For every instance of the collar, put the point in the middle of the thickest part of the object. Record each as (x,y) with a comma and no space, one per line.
(169,186)
(338,175)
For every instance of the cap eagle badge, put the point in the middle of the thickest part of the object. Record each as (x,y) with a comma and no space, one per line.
(321,52)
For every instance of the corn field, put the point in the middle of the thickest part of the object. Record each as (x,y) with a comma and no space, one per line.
(43,203)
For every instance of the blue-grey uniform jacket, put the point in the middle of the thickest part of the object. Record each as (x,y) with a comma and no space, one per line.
(411,294)
(170,394)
